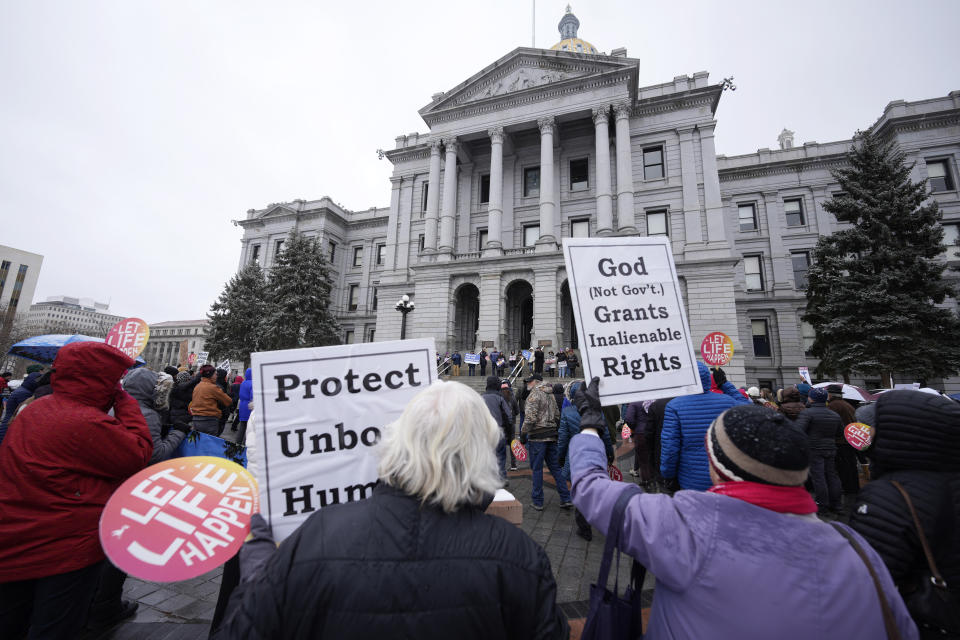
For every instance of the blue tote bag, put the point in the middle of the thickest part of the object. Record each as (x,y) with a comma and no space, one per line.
(198,443)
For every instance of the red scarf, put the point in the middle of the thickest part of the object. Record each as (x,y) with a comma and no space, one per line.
(780,499)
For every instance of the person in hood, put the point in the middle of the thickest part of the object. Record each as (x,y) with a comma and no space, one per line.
(792,403)
(152,391)
(917,446)
(21,393)
(683,459)
(235,396)
(244,404)
(183,386)
(736,561)
(62,458)
(503,416)
(208,402)
(430,563)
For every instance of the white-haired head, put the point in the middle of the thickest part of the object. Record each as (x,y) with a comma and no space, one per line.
(442,448)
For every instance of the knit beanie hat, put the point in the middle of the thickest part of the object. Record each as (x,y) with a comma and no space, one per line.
(818,395)
(804,389)
(755,444)
(184,376)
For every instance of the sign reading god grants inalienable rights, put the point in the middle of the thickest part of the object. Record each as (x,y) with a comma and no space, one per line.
(630,318)
(319,414)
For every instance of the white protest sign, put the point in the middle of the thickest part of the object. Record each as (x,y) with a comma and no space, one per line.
(471,358)
(320,413)
(805,374)
(630,318)
(224,364)
(202,358)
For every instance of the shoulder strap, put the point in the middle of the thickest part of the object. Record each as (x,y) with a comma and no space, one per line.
(937,578)
(889,622)
(613,531)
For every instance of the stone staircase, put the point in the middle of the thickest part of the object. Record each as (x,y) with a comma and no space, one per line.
(478,383)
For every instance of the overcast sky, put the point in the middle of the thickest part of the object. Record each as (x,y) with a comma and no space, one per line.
(132,133)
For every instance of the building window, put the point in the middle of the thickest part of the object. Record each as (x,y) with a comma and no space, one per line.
(807,336)
(372,333)
(4,272)
(420,244)
(354,300)
(580,228)
(373,306)
(255,254)
(761,340)
(579,175)
(381,254)
(767,384)
(794,210)
(531,182)
(753,270)
(424,192)
(481,239)
(485,188)
(277,248)
(357,256)
(801,264)
(348,336)
(332,246)
(531,233)
(938,176)
(653,163)
(657,223)
(747,213)
(950,234)
(17,287)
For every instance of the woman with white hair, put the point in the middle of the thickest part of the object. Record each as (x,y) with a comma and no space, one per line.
(418,559)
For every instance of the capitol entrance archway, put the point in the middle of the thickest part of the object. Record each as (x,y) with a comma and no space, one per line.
(568,323)
(518,322)
(466,316)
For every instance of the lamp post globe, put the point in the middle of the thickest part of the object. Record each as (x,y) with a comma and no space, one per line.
(404,306)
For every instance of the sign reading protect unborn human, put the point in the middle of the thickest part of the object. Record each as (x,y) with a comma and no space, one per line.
(630,318)
(319,414)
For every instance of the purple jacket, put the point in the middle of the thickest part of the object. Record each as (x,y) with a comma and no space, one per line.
(728,569)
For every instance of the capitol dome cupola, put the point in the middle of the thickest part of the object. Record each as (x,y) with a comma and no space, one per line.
(569,24)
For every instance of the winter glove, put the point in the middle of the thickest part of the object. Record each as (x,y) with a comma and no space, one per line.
(587,403)
(182,427)
(671,485)
(257,550)
(719,377)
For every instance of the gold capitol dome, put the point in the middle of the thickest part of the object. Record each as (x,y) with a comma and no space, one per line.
(568,30)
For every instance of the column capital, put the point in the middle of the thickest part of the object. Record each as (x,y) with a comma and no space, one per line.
(601,115)
(771,195)
(496,135)
(706,130)
(450,142)
(546,124)
(686,132)
(622,110)
(434,144)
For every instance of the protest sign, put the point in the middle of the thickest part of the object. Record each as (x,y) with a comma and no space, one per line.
(625,432)
(471,358)
(805,375)
(130,335)
(202,358)
(320,413)
(614,473)
(630,318)
(192,357)
(527,355)
(518,451)
(224,364)
(717,349)
(178,519)
(859,435)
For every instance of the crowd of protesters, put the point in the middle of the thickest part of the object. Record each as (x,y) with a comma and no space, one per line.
(735,513)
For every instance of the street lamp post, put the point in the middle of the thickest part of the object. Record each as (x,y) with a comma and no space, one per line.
(404,306)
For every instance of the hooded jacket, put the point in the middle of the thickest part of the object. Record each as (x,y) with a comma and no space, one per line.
(143,385)
(21,393)
(821,426)
(181,396)
(686,419)
(62,459)
(497,405)
(792,403)
(918,445)
(245,396)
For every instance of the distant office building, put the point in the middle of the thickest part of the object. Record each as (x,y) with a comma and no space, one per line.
(19,271)
(171,343)
(64,314)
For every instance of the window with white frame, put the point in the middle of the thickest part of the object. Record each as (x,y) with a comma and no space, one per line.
(801,264)
(481,239)
(381,254)
(579,174)
(424,193)
(761,338)
(348,336)
(807,335)
(747,215)
(357,256)
(354,299)
(531,233)
(793,208)
(938,175)
(531,182)
(753,271)
(580,228)
(255,254)
(485,188)
(653,163)
(950,234)
(657,223)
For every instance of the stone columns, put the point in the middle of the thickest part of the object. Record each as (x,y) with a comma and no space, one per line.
(494,246)
(547,241)
(778,256)
(716,225)
(447,222)
(433,199)
(626,218)
(544,306)
(490,320)
(691,197)
(601,120)
(393,221)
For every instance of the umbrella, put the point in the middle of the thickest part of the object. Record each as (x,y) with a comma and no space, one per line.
(955,396)
(850,392)
(43,349)
(920,389)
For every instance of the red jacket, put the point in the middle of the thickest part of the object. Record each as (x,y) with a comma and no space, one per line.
(62,458)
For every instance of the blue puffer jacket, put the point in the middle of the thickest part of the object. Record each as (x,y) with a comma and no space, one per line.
(245,396)
(683,453)
(570,426)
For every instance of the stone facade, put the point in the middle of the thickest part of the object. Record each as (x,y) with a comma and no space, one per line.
(65,314)
(547,144)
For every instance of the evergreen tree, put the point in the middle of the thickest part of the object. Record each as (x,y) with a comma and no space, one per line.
(300,286)
(874,286)
(238,318)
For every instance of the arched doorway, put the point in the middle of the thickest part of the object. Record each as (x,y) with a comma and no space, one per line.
(568,322)
(519,315)
(466,316)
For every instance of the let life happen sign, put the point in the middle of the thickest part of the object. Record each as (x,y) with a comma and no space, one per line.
(630,318)
(320,414)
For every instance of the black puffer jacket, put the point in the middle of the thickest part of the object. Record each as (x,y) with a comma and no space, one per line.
(917,444)
(387,567)
(821,426)
(180,399)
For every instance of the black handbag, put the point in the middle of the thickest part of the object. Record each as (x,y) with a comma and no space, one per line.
(931,604)
(612,616)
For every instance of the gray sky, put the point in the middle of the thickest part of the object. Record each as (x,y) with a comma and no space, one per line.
(132,132)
